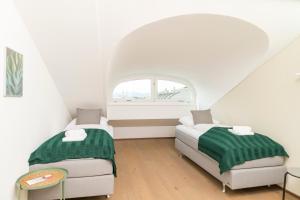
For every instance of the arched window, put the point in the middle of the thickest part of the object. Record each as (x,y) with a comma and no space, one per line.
(153,90)
(173,91)
(135,90)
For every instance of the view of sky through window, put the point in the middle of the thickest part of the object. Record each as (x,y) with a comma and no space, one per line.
(133,90)
(141,90)
(170,90)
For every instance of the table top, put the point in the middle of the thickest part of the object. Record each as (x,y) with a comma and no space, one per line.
(57,175)
(294,171)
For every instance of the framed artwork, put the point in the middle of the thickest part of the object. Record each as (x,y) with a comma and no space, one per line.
(13,74)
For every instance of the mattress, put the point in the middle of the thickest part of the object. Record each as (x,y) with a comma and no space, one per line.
(190,136)
(80,167)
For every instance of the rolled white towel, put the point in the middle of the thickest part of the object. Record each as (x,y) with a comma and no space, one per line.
(241,132)
(74,138)
(75,133)
(242,129)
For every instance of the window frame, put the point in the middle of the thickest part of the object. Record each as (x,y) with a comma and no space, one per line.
(156,94)
(153,100)
(128,101)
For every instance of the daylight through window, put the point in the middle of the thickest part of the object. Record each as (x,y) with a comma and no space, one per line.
(152,90)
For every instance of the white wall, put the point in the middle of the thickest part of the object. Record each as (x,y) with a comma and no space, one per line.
(65,33)
(144,132)
(212,58)
(154,110)
(269,101)
(119,111)
(27,121)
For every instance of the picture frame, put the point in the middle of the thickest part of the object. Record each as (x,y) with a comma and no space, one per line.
(13,73)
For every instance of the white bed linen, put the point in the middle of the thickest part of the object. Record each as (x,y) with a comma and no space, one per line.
(194,133)
(197,130)
(104,126)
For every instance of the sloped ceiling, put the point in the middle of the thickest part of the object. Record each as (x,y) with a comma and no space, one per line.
(212,52)
(81,41)
(66,34)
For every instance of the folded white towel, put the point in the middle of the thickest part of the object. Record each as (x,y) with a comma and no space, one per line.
(242,129)
(74,139)
(75,133)
(241,133)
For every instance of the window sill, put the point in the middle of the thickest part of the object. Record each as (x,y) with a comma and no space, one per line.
(150,104)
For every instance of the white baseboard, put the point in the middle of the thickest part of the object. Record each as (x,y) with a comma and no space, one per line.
(144,132)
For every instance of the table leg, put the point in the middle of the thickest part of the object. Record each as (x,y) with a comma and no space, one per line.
(63,189)
(18,194)
(284,186)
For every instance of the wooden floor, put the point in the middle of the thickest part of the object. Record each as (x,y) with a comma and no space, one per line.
(150,169)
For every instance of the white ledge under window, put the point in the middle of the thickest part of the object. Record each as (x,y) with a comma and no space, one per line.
(157,110)
(150,104)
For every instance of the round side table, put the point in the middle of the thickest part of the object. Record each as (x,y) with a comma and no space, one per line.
(52,177)
(295,172)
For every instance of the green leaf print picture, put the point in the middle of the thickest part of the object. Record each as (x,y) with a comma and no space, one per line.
(14,74)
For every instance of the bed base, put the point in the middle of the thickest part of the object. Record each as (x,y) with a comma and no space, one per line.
(234,179)
(78,187)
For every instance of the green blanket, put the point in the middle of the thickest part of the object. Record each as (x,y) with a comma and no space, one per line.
(98,144)
(229,149)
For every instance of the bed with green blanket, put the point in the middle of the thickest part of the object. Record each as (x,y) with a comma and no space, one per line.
(230,150)
(90,163)
(237,161)
(97,144)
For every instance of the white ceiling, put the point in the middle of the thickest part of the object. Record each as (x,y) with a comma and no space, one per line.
(78,38)
(212,52)
(66,34)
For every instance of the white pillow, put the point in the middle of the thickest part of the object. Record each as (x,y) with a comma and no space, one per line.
(187,120)
(73,126)
(104,121)
(216,121)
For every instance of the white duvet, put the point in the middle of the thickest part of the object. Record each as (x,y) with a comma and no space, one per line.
(103,125)
(197,130)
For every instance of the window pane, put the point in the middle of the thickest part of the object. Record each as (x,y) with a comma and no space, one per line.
(173,91)
(133,90)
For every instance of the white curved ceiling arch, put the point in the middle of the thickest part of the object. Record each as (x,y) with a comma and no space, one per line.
(78,37)
(213,52)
